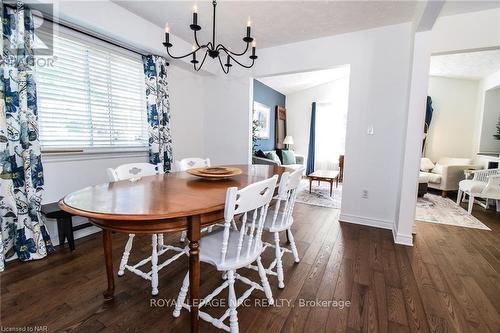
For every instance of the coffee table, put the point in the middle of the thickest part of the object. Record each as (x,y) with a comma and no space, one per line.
(329,176)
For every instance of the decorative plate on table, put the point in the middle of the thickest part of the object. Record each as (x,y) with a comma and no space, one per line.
(215,172)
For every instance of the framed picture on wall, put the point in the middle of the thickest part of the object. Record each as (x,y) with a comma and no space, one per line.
(262,114)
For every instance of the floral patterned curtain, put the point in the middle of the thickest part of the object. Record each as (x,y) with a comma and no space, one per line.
(21,172)
(158,108)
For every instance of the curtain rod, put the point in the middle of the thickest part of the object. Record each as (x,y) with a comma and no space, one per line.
(98,38)
(80,30)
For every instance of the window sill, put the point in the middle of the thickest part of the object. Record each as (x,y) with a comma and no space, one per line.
(50,155)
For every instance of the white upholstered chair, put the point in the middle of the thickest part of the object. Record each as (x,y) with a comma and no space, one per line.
(191,163)
(279,219)
(485,185)
(228,250)
(133,172)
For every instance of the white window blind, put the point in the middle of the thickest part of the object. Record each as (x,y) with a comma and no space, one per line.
(93,96)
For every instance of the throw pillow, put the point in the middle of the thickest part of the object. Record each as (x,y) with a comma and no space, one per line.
(288,157)
(426,164)
(438,168)
(273,156)
(260,153)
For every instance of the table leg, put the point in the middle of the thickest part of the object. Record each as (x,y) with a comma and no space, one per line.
(68,225)
(310,184)
(331,185)
(194,269)
(61,231)
(337,182)
(108,258)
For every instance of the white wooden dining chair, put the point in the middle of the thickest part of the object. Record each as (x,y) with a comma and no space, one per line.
(191,163)
(279,219)
(484,185)
(228,250)
(133,172)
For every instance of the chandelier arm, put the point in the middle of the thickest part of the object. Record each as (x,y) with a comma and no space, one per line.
(222,47)
(188,54)
(239,63)
(202,62)
(196,40)
(222,65)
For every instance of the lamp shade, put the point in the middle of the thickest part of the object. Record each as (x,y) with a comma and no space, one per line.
(288,140)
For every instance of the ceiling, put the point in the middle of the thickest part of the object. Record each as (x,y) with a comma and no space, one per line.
(472,66)
(460,7)
(273,22)
(291,83)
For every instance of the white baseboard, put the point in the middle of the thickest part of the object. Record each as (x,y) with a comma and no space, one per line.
(368,221)
(402,239)
(378,223)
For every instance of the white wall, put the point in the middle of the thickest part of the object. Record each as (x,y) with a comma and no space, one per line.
(484,143)
(298,109)
(477,30)
(491,117)
(227,119)
(380,65)
(454,119)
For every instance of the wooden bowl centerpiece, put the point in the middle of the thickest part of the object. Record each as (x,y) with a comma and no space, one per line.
(215,173)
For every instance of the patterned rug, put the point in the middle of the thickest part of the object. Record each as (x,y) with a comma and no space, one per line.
(436,209)
(320,195)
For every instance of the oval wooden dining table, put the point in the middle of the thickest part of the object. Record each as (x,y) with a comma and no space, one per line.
(159,204)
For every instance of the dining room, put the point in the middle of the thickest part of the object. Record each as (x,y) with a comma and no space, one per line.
(130,199)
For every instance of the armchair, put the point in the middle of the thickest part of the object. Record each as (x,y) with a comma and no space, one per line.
(447,173)
(485,185)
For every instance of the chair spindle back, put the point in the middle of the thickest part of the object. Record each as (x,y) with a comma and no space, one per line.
(252,203)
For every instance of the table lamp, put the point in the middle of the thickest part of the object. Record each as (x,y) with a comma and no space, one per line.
(288,141)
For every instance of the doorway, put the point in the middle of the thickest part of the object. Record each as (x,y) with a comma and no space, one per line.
(282,113)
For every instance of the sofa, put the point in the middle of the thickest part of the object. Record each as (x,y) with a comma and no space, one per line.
(299,160)
(446,173)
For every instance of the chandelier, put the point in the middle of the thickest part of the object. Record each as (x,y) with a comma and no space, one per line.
(211,49)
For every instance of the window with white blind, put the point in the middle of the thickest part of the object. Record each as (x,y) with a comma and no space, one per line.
(92,97)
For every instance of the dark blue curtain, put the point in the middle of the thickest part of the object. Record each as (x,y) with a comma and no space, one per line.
(428,118)
(312,141)
(428,113)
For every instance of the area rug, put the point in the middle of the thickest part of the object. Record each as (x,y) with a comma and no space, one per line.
(436,209)
(320,195)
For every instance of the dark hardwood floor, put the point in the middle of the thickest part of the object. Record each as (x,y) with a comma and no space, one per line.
(448,282)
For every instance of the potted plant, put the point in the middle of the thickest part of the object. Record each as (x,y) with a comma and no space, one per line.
(255,129)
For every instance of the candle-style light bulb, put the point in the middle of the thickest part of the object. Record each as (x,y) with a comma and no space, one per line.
(194,54)
(254,44)
(253,50)
(249,23)
(167,35)
(195,15)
